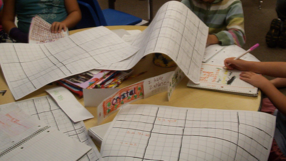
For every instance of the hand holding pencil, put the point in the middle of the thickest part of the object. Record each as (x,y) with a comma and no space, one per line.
(237,63)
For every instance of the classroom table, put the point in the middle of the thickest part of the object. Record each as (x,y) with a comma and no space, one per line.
(182,96)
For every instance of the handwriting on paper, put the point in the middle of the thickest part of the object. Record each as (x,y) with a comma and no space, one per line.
(156,84)
(217,75)
(128,143)
(138,133)
(166,120)
(125,95)
(175,78)
(14,121)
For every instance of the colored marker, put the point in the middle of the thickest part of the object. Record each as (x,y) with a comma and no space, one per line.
(249,50)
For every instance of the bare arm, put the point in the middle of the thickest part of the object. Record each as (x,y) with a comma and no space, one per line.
(212,39)
(9,18)
(275,69)
(74,16)
(279,82)
(276,97)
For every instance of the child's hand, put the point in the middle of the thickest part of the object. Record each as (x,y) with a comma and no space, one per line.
(239,64)
(57,27)
(254,79)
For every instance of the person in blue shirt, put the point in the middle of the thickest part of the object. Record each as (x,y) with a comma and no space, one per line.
(62,14)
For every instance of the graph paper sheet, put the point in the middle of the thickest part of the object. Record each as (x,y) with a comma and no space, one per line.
(40,32)
(175,31)
(152,132)
(215,77)
(28,67)
(46,110)
(29,139)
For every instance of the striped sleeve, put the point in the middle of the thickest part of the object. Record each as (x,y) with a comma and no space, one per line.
(234,33)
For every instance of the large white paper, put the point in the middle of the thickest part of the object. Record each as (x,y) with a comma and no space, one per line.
(175,31)
(46,110)
(68,103)
(152,132)
(28,67)
(215,77)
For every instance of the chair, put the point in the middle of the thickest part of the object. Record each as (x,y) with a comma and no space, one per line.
(89,17)
(111,17)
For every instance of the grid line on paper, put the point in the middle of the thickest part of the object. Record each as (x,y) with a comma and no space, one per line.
(238,123)
(193,49)
(194,127)
(58,60)
(229,144)
(183,134)
(150,133)
(52,61)
(44,109)
(159,32)
(76,132)
(84,50)
(37,113)
(239,133)
(22,67)
(180,44)
(50,107)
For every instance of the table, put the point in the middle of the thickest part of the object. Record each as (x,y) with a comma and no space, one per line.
(181,97)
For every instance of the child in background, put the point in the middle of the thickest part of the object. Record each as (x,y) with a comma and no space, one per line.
(62,14)
(3,35)
(276,36)
(269,88)
(224,18)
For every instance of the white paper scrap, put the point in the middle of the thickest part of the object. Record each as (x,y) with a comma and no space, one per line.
(69,104)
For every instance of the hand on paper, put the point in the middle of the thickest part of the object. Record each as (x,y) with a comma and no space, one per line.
(239,64)
(57,27)
(254,79)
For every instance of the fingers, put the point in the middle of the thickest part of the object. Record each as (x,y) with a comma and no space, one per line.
(57,27)
(228,63)
(247,74)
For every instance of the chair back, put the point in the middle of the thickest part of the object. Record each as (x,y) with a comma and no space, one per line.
(97,9)
(89,18)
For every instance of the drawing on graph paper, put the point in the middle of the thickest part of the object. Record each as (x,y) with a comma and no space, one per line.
(218,75)
(152,132)
(215,77)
